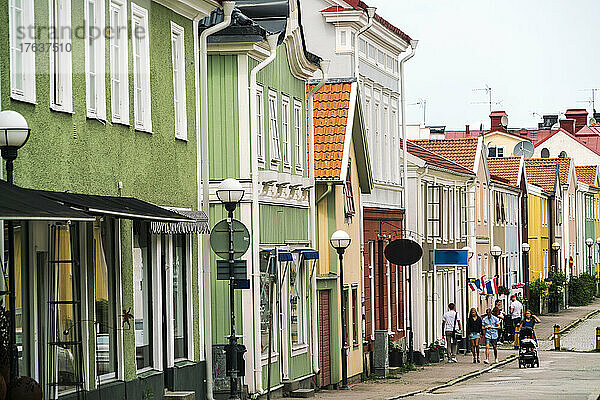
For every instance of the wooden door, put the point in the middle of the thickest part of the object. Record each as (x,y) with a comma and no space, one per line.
(324,338)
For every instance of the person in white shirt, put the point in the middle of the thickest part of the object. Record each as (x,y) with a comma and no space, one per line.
(451,327)
(516,312)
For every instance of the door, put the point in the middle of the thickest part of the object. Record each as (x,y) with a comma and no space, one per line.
(165,266)
(324,338)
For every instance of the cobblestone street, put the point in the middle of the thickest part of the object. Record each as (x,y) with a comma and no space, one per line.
(583,336)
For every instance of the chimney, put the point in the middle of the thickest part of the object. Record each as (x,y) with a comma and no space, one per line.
(467,130)
(568,125)
(497,118)
(579,115)
(549,121)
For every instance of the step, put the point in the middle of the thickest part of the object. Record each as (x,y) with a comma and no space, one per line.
(179,396)
(302,393)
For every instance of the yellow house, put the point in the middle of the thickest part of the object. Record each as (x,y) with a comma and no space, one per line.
(342,174)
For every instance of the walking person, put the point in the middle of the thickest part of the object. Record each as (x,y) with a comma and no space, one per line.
(515,310)
(474,331)
(451,327)
(498,313)
(490,324)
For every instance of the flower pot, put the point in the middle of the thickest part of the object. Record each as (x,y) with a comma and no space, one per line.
(434,356)
(396,358)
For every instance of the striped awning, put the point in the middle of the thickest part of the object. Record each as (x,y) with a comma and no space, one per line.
(199,224)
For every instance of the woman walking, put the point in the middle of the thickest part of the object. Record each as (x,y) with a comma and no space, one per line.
(474,330)
(529,321)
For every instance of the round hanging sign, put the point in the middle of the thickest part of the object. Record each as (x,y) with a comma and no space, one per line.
(403,252)
(219,239)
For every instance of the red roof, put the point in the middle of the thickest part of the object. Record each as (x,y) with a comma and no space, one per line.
(507,168)
(586,174)
(461,151)
(434,159)
(563,166)
(541,174)
(592,142)
(360,5)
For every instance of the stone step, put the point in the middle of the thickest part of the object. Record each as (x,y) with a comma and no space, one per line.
(179,396)
(302,393)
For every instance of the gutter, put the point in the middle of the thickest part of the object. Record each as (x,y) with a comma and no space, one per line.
(272,41)
(413,46)
(327,192)
(371,19)
(202,170)
(313,209)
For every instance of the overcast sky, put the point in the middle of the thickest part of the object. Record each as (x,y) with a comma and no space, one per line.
(536,55)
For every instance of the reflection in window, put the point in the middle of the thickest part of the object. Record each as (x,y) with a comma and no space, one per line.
(267,271)
(105,298)
(142,286)
(297,301)
(355,316)
(179,297)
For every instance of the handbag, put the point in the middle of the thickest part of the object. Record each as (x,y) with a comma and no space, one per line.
(456,333)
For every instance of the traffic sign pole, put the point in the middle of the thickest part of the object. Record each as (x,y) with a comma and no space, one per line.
(232,337)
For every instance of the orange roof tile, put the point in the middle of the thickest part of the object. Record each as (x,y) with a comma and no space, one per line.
(563,166)
(331,104)
(586,174)
(462,151)
(506,168)
(540,172)
(433,158)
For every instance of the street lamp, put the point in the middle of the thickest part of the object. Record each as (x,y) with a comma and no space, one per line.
(496,252)
(340,242)
(589,242)
(525,249)
(230,193)
(14,133)
(555,249)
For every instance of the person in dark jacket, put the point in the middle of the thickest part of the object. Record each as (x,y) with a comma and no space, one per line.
(474,331)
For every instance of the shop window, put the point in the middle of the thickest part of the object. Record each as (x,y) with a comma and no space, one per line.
(105,298)
(180,331)
(142,294)
(297,301)
(268,294)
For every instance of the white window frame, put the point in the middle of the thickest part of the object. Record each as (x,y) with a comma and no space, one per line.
(179,92)
(478,202)
(376,131)
(394,147)
(387,148)
(275,144)
(61,66)
(119,63)
(260,123)
(286,137)
(302,343)
(22,86)
(299,142)
(139,20)
(499,149)
(485,204)
(95,60)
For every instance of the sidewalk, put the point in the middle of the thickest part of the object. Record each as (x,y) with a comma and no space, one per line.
(437,374)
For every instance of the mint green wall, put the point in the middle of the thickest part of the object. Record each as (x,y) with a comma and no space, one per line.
(279,224)
(70,152)
(589,228)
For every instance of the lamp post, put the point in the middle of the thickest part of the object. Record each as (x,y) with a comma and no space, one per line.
(525,249)
(470,254)
(555,249)
(496,252)
(14,133)
(589,243)
(340,242)
(230,193)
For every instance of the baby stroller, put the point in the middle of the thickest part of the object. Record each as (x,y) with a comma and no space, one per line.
(528,356)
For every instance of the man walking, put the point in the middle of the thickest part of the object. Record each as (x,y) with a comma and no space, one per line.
(451,327)
(516,312)
(491,325)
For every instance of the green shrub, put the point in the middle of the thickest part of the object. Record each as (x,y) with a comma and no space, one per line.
(538,290)
(582,289)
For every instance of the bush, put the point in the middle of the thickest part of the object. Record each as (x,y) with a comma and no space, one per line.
(582,289)
(556,289)
(538,290)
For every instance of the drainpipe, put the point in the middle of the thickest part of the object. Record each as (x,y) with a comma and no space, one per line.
(313,205)
(272,41)
(203,180)
(370,16)
(413,46)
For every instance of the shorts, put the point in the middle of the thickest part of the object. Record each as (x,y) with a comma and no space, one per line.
(493,342)
(474,336)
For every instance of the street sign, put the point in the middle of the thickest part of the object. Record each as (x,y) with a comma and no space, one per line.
(219,239)
(239,270)
(403,252)
(241,284)
(451,257)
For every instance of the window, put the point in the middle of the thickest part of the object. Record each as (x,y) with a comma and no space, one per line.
(285,130)
(178,57)
(381,58)
(484,205)
(451,214)
(390,63)
(500,151)
(61,87)
(273,128)
(22,60)
(445,214)
(180,312)
(377,151)
(349,209)
(478,202)
(464,210)
(297,304)
(372,52)
(105,298)
(268,294)
(394,148)
(142,294)
(260,123)
(119,70)
(343,40)
(345,314)
(362,46)
(433,211)
(298,135)
(95,59)
(355,316)
(141,68)
(386,145)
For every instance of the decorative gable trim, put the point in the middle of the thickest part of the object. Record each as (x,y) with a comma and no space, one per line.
(300,66)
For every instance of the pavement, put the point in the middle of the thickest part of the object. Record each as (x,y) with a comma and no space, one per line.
(442,377)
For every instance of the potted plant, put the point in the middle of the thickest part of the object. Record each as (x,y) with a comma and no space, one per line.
(396,354)
(436,352)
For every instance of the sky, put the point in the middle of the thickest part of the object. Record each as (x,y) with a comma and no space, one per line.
(538,56)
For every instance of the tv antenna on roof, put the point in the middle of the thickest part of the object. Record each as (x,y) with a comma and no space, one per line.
(423,104)
(488,91)
(592,99)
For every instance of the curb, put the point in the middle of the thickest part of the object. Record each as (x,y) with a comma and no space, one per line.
(457,380)
(574,323)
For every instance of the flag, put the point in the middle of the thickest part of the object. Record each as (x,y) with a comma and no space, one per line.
(491,287)
(473,285)
(482,285)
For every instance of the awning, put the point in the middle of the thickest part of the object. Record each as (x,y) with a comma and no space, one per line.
(284,255)
(120,207)
(22,204)
(309,254)
(199,224)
